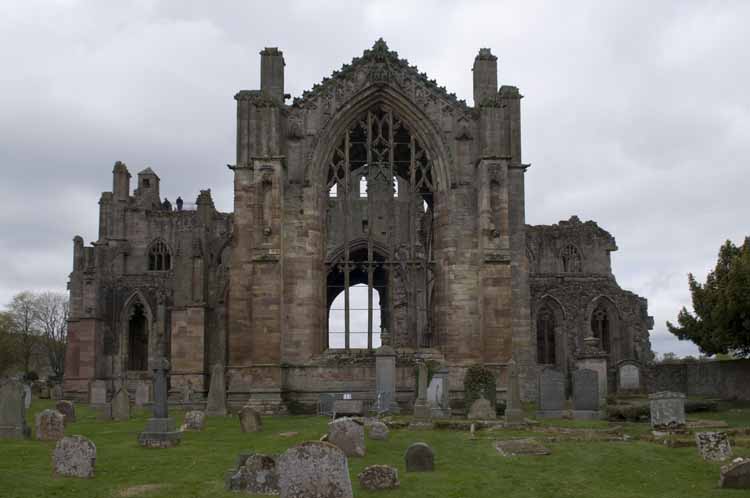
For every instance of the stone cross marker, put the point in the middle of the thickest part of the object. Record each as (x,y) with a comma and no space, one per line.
(421,405)
(551,401)
(586,394)
(217,395)
(160,430)
(513,410)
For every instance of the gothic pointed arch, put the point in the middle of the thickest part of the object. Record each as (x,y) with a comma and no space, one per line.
(159,255)
(136,319)
(604,323)
(548,323)
(571,260)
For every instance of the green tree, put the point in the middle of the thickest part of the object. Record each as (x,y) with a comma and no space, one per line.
(8,349)
(720,323)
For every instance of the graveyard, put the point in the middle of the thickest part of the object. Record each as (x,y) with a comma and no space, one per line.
(587,458)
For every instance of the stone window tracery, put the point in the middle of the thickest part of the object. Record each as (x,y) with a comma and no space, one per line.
(545,336)
(571,259)
(600,325)
(159,257)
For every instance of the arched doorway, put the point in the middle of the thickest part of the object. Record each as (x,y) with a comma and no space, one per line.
(137,338)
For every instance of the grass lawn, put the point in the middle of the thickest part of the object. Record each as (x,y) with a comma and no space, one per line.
(465,468)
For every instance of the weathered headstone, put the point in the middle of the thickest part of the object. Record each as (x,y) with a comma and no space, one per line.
(713,446)
(736,475)
(586,394)
(97,392)
(376,477)
(385,379)
(347,435)
(68,409)
(628,377)
(160,430)
(27,396)
(325,404)
(438,394)
(56,392)
(50,425)
(217,395)
(195,420)
(667,410)
(250,420)
(142,393)
(314,470)
(187,393)
(482,409)
(521,447)
(121,405)
(551,401)
(419,457)
(44,391)
(255,474)
(513,409)
(348,407)
(378,430)
(12,411)
(74,456)
(422,405)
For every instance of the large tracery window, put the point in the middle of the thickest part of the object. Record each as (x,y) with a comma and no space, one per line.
(379,234)
(159,257)
(545,336)
(600,325)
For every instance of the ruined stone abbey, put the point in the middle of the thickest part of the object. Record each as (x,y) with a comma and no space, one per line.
(375,213)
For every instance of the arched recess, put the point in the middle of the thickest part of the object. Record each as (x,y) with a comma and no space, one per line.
(549,331)
(137,342)
(604,322)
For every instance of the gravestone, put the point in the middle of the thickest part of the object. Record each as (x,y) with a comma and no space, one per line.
(142,393)
(422,405)
(187,393)
(104,412)
(27,396)
(586,394)
(250,419)
(713,446)
(97,392)
(378,430)
(628,377)
(325,404)
(255,474)
(385,379)
(121,405)
(12,411)
(376,477)
(68,409)
(736,475)
(482,409)
(74,456)
(348,407)
(217,393)
(521,447)
(50,425)
(195,420)
(160,430)
(419,457)
(56,392)
(44,391)
(314,469)
(347,435)
(551,392)
(667,410)
(513,409)
(438,394)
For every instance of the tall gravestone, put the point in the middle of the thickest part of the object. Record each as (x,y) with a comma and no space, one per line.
(160,431)
(121,405)
(12,411)
(217,393)
(422,405)
(628,377)
(551,394)
(97,392)
(385,380)
(142,393)
(586,401)
(592,357)
(438,394)
(513,409)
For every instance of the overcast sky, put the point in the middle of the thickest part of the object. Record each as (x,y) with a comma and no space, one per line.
(636,115)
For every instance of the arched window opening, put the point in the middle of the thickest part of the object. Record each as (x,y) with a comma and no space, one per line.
(600,325)
(159,257)
(333,191)
(358,316)
(571,259)
(137,338)
(395,186)
(363,186)
(545,336)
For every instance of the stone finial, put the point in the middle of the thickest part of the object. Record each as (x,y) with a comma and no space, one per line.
(485,77)
(272,73)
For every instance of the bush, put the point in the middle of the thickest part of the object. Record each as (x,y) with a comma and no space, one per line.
(479,381)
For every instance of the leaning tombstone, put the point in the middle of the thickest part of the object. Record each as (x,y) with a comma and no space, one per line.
(49,425)
(667,410)
(736,475)
(12,411)
(255,474)
(314,469)
(74,456)
(68,409)
(586,394)
(551,394)
(347,435)
(419,457)
(121,405)
(160,431)
(217,396)
(713,446)
(250,420)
